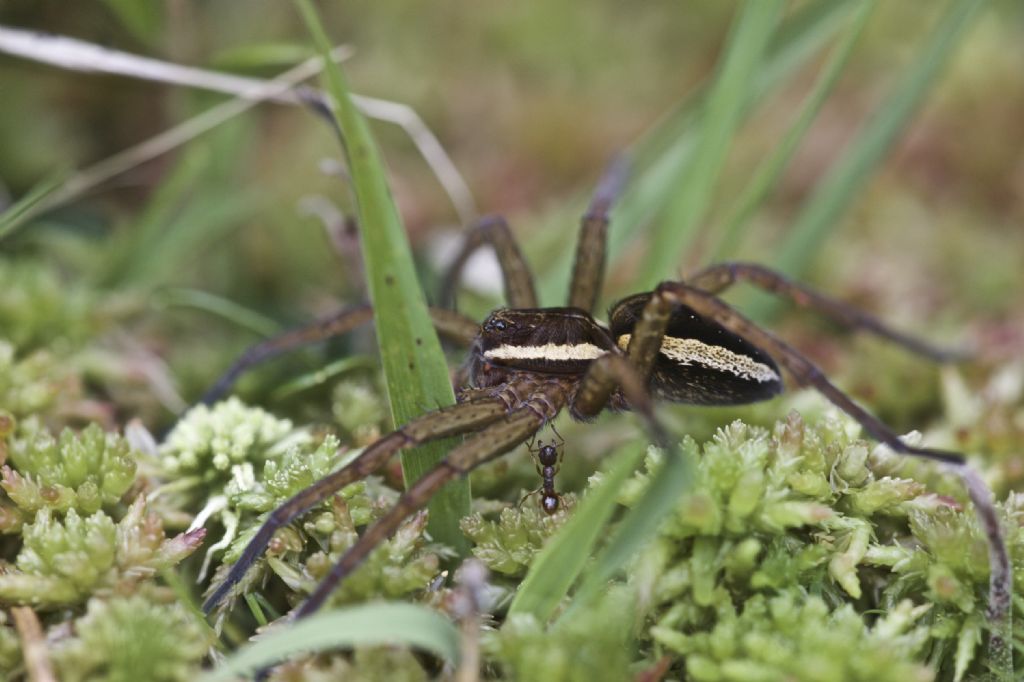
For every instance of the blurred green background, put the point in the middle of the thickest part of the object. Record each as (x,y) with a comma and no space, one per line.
(530,99)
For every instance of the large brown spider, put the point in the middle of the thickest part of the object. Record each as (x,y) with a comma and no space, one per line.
(678,343)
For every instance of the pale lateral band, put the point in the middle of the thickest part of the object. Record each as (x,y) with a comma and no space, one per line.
(690,351)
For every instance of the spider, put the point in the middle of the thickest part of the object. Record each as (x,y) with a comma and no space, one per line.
(526,364)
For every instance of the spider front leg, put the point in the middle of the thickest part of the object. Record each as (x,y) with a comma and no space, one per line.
(448,323)
(448,421)
(495,440)
(588,268)
(719,277)
(650,330)
(493,230)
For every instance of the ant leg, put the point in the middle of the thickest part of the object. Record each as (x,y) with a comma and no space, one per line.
(652,326)
(450,324)
(493,441)
(717,278)
(493,230)
(588,268)
(448,421)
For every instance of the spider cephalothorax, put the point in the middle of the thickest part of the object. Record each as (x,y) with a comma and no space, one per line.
(678,343)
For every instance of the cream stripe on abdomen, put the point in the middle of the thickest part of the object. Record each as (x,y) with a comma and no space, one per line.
(690,351)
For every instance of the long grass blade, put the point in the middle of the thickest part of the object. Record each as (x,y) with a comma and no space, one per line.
(719,120)
(18,213)
(844,180)
(414,366)
(663,155)
(669,484)
(771,169)
(557,566)
(380,623)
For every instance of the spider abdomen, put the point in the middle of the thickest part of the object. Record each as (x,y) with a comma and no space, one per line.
(700,362)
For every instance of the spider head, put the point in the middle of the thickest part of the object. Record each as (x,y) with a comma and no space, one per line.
(541,340)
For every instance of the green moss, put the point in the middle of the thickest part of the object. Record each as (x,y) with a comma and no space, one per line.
(209,442)
(63,562)
(37,309)
(129,639)
(85,472)
(36,383)
(508,545)
(792,636)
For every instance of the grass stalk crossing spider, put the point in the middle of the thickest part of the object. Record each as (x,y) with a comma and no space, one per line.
(526,364)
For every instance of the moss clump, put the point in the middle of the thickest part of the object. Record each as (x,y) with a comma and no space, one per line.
(85,472)
(37,309)
(208,443)
(62,563)
(792,636)
(133,638)
(508,545)
(34,384)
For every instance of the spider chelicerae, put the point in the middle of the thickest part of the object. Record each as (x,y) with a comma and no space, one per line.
(526,364)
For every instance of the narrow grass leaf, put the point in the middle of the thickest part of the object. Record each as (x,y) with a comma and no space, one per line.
(218,306)
(18,212)
(322,375)
(556,567)
(719,120)
(662,156)
(370,624)
(847,176)
(768,173)
(668,485)
(414,366)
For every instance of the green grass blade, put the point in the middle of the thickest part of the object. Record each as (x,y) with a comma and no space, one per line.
(380,623)
(414,366)
(663,155)
(18,212)
(668,485)
(770,171)
(719,120)
(226,309)
(322,375)
(846,177)
(556,567)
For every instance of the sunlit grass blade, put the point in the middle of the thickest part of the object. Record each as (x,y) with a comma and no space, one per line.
(20,211)
(414,366)
(844,180)
(380,623)
(556,567)
(663,155)
(771,169)
(720,117)
(669,484)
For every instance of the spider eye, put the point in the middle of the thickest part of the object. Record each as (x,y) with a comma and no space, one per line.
(496,325)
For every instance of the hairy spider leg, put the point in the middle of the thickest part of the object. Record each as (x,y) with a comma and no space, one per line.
(589,266)
(651,328)
(493,230)
(448,421)
(450,324)
(717,278)
(493,441)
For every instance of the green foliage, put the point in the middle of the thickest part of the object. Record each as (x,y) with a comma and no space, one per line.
(85,471)
(208,442)
(508,545)
(38,309)
(63,562)
(794,636)
(37,383)
(125,639)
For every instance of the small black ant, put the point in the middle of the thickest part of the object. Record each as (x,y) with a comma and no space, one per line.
(548,460)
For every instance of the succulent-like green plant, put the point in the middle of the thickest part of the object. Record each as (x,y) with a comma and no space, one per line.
(124,639)
(508,545)
(64,562)
(85,472)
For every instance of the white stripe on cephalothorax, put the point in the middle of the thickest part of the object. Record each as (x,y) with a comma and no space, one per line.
(548,351)
(692,351)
